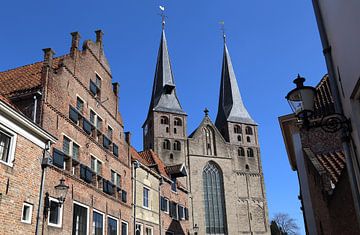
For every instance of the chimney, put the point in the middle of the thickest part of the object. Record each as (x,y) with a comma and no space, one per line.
(74,43)
(128,137)
(48,56)
(116,88)
(99,36)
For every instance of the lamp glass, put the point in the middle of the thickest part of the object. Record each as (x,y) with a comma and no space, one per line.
(301,100)
(61,190)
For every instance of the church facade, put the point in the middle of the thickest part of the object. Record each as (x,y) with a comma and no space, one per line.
(220,162)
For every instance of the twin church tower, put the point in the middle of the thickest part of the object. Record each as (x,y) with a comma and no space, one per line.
(220,163)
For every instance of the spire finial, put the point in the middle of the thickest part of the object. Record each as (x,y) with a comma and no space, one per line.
(163,16)
(222,23)
(206,111)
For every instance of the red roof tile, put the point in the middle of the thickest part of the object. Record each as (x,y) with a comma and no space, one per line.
(23,79)
(153,159)
(324,103)
(333,163)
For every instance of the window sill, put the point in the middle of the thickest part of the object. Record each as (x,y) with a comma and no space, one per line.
(25,222)
(7,163)
(54,225)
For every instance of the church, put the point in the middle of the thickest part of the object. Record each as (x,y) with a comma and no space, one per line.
(218,162)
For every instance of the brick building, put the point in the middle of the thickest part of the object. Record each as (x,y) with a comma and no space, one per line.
(319,159)
(22,147)
(73,98)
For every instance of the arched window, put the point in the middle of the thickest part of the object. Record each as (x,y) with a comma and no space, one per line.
(209,141)
(248,130)
(241,152)
(166,144)
(177,122)
(215,215)
(237,129)
(177,145)
(248,139)
(250,152)
(247,167)
(164,120)
(239,137)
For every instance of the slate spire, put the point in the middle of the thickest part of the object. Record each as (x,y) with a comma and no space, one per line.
(231,107)
(163,96)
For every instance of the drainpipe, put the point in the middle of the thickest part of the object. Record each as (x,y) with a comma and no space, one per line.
(160,183)
(44,164)
(136,165)
(351,165)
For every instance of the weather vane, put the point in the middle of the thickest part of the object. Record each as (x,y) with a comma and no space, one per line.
(222,23)
(163,16)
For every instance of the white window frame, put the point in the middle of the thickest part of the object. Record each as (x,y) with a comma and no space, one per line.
(83,100)
(96,118)
(167,211)
(13,138)
(96,166)
(142,228)
(127,226)
(71,146)
(27,221)
(148,197)
(93,225)
(112,130)
(183,212)
(87,214)
(59,225)
(115,179)
(151,229)
(117,223)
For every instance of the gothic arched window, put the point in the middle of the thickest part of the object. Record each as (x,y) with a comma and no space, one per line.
(237,129)
(248,130)
(166,144)
(177,145)
(209,141)
(164,120)
(250,152)
(241,152)
(177,122)
(215,215)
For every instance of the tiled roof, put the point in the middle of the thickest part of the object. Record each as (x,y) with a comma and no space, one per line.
(23,79)
(333,163)
(324,103)
(153,159)
(8,102)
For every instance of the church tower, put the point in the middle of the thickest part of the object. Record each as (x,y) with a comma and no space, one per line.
(164,130)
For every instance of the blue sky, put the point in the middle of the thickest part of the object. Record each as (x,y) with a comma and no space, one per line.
(269,41)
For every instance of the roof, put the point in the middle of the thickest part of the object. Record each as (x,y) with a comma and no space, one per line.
(231,107)
(324,103)
(151,159)
(23,79)
(163,96)
(8,102)
(178,170)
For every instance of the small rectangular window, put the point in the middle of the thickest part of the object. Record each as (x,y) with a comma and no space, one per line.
(115,179)
(173,184)
(146,197)
(5,146)
(110,133)
(98,223)
(55,213)
(92,117)
(123,196)
(26,213)
(75,151)
(148,231)
(79,104)
(112,226)
(96,165)
(181,213)
(66,146)
(124,228)
(115,150)
(80,219)
(99,123)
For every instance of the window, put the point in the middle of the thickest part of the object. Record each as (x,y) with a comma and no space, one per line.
(164,204)
(166,144)
(237,129)
(250,152)
(123,196)
(98,81)
(55,213)
(92,117)
(148,231)
(98,223)
(173,210)
(210,148)
(215,220)
(115,150)
(177,145)
(7,146)
(248,139)
(247,167)
(248,130)
(173,184)
(26,213)
(164,120)
(181,212)
(174,130)
(146,197)
(80,220)
(66,146)
(124,228)
(108,187)
(115,179)
(96,165)
(70,148)
(75,153)
(110,132)
(79,104)
(95,86)
(138,229)
(95,120)
(177,122)
(74,115)
(241,152)
(86,173)
(239,137)
(58,159)
(112,226)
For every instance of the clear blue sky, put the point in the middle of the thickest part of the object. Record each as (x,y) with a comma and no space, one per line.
(269,41)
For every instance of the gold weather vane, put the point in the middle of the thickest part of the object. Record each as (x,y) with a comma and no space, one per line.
(222,23)
(163,16)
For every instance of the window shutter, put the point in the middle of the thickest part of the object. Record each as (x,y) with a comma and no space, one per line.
(73,114)
(186,213)
(58,158)
(162,203)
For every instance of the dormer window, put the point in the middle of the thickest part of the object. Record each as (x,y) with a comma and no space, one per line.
(164,120)
(237,129)
(248,130)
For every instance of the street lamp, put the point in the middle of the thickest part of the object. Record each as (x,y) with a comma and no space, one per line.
(302,101)
(60,190)
(196,229)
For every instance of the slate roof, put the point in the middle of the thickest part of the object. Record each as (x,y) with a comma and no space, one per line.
(231,107)
(23,79)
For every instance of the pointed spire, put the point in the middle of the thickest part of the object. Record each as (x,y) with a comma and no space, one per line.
(231,107)
(164,94)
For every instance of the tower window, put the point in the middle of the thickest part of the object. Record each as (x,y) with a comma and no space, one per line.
(177,122)
(210,148)
(174,130)
(241,152)
(164,120)
(167,129)
(247,167)
(250,152)
(237,129)
(166,144)
(248,139)
(248,130)
(239,137)
(177,145)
